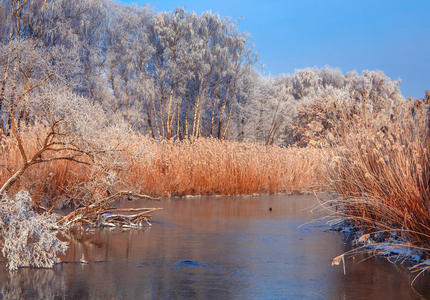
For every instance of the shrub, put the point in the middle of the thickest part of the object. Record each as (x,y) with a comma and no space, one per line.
(29,239)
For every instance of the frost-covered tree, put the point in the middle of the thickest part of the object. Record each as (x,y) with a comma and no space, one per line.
(194,73)
(169,74)
(255,100)
(33,57)
(302,101)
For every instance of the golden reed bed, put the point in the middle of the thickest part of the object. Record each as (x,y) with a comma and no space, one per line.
(166,168)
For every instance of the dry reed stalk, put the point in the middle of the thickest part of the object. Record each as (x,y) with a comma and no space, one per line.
(211,166)
(381,171)
(166,168)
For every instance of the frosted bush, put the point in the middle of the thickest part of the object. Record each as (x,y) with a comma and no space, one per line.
(29,239)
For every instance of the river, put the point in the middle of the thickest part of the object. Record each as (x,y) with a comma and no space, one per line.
(263,247)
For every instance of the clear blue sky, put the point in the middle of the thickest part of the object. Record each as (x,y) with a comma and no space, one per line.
(388,35)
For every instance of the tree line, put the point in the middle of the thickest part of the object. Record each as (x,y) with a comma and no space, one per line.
(170,75)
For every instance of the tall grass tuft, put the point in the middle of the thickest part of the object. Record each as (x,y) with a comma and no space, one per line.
(380,168)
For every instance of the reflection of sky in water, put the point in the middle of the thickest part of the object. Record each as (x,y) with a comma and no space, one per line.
(214,248)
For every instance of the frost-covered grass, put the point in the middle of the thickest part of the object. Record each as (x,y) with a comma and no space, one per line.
(390,244)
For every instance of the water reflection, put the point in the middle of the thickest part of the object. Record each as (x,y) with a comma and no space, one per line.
(214,248)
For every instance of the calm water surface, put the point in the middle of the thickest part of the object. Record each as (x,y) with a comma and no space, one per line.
(216,248)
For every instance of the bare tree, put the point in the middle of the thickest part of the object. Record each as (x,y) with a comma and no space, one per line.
(30,61)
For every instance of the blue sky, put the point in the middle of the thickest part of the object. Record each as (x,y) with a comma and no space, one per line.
(388,35)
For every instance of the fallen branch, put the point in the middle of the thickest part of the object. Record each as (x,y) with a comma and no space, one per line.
(102,213)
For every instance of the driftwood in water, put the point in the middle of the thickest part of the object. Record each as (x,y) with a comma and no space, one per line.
(102,213)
